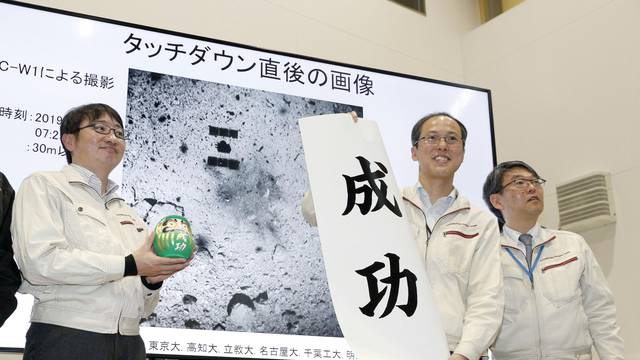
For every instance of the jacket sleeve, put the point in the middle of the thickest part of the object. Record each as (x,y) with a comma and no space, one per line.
(9,274)
(151,296)
(600,309)
(43,253)
(484,296)
(308,209)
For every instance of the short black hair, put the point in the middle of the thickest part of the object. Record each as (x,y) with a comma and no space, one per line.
(73,118)
(493,184)
(417,127)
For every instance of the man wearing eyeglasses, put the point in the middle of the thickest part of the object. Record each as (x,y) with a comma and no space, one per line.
(557,303)
(85,255)
(459,243)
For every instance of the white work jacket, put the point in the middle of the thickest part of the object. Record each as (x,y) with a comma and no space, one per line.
(70,245)
(462,257)
(566,309)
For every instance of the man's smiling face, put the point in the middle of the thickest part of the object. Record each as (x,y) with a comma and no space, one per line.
(93,150)
(439,160)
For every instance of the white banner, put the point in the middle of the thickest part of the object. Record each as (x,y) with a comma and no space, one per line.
(378,281)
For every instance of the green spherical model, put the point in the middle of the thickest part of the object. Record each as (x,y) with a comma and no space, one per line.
(173,237)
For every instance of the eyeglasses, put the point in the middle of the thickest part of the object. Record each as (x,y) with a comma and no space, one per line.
(105,130)
(523,184)
(435,139)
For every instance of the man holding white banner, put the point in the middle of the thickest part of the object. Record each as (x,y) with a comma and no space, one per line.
(458,243)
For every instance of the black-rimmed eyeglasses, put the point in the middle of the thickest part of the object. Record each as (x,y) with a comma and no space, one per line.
(105,130)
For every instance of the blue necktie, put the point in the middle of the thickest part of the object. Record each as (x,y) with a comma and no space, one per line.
(526,240)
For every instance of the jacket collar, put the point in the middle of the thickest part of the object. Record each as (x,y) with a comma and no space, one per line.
(78,174)
(543,237)
(411,195)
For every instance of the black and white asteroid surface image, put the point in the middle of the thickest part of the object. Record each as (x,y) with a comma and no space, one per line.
(229,159)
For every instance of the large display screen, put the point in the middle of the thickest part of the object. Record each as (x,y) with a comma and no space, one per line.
(213,136)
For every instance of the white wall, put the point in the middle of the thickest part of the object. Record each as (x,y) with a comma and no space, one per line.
(565,82)
(372,33)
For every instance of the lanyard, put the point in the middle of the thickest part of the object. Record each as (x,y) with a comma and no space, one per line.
(523,267)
